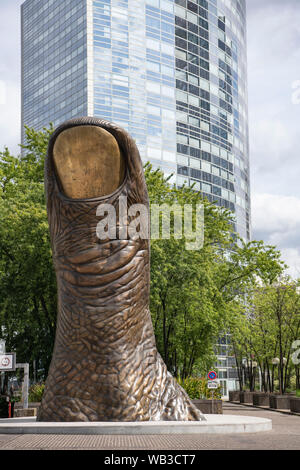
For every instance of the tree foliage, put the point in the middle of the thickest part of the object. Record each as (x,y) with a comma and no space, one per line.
(27,279)
(194,294)
(264,331)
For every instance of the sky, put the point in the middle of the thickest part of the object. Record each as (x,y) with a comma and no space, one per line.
(274,115)
(274,124)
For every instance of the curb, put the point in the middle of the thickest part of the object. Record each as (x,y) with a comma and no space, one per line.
(214,424)
(265,408)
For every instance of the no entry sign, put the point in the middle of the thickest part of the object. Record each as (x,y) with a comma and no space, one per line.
(212,375)
(7,361)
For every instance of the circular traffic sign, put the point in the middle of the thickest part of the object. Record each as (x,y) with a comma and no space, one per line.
(212,375)
(5,362)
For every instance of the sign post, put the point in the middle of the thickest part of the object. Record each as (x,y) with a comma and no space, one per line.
(25,383)
(212,385)
(8,362)
(2,351)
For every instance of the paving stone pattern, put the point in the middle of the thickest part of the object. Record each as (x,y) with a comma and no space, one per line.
(284,436)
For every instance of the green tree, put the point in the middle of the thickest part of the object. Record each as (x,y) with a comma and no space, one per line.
(27,279)
(195,294)
(265,329)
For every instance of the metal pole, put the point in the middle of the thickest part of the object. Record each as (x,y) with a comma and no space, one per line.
(34,371)
(260,379)
(1,380)
(25,384)
(2,374)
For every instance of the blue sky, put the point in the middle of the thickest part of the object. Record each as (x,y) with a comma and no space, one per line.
(274,114)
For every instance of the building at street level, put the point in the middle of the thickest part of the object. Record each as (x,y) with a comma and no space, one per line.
(173,73)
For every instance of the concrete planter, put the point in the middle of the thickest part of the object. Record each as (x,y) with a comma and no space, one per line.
(19,405)
(295,405)
(261,399)
(209,406)
(20,412)
(246,397)
(25,413)
(280,402)
(234,395)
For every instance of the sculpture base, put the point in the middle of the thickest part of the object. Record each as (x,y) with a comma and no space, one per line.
(214,424)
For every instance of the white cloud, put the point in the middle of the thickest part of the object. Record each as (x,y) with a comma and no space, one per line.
(276,220)
(10,119)
(292,258)
(273,70)
(10,74)
(296,92)
(272,142)
(275,214)
(2,92)
(274,114)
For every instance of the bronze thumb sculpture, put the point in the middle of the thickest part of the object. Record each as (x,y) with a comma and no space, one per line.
(105,364)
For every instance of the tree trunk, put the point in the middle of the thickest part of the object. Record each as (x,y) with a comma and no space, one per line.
(297,378)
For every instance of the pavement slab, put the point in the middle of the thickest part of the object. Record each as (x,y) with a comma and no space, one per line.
(285,435)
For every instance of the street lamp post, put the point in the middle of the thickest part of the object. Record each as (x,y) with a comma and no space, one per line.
(2,351)
(280,363)
(284,361)
(254,366)
(275,362)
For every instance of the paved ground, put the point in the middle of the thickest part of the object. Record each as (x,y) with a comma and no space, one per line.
(284,436)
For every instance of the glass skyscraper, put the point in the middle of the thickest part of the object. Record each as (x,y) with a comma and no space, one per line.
(171,72)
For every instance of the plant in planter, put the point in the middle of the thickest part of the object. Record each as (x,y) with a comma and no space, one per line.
(36,392)
(197,388)
(247,397)
(295,405)
(280,402)
(234,395)
(261,399)
(201,395)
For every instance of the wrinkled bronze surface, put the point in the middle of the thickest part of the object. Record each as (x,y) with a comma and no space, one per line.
(105,364)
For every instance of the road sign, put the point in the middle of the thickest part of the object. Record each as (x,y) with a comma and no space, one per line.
(212,375)
(7,362)
(212,385)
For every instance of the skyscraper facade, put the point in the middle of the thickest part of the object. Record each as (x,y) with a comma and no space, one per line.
(171,72)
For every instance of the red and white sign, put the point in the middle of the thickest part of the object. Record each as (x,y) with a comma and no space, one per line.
(212,375)
(8,361)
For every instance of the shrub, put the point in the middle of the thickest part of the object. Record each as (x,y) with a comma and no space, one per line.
(36,392)
(298,393)
(3,407)
(196,388)
(15,399)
